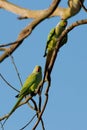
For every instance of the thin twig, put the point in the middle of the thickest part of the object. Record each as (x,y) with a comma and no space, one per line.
(26,100)
(38,111)
(82,5)
(42,122)
(44,106)
(28,122)
(13,62)
(40,102)
(7,44)
(35,106)
(1,126)
(8,83)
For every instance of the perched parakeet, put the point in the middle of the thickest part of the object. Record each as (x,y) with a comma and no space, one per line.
(52,40)
(29,87)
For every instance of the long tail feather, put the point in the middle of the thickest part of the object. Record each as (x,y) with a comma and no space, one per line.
(14,108)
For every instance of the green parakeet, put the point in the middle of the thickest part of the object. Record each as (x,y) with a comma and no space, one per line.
(29,87)
(52,40)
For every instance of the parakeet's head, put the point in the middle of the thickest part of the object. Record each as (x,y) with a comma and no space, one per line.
(37,69)
(62,23)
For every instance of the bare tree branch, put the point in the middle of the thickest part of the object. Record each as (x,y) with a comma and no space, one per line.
(44,106)
(83,6)
(5,116)
(27,13)
(28,122)
(26,31)
(1,125)
(2,48)
(5,45)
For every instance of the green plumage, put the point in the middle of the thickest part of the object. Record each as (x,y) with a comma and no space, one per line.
(52,41)
(54,35)
(29,87)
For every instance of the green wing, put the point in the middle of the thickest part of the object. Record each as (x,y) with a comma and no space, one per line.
(27,84)
(49,38)
(52,32)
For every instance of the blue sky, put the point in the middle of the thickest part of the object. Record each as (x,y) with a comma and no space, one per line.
(67,105)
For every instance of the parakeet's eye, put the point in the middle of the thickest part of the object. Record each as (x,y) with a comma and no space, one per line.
(38,69)
(64,23)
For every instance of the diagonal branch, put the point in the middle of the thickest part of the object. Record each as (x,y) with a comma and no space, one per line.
(27,13)
(28,122)
(1,125)
(27,30)
(23,12)
(83,6)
